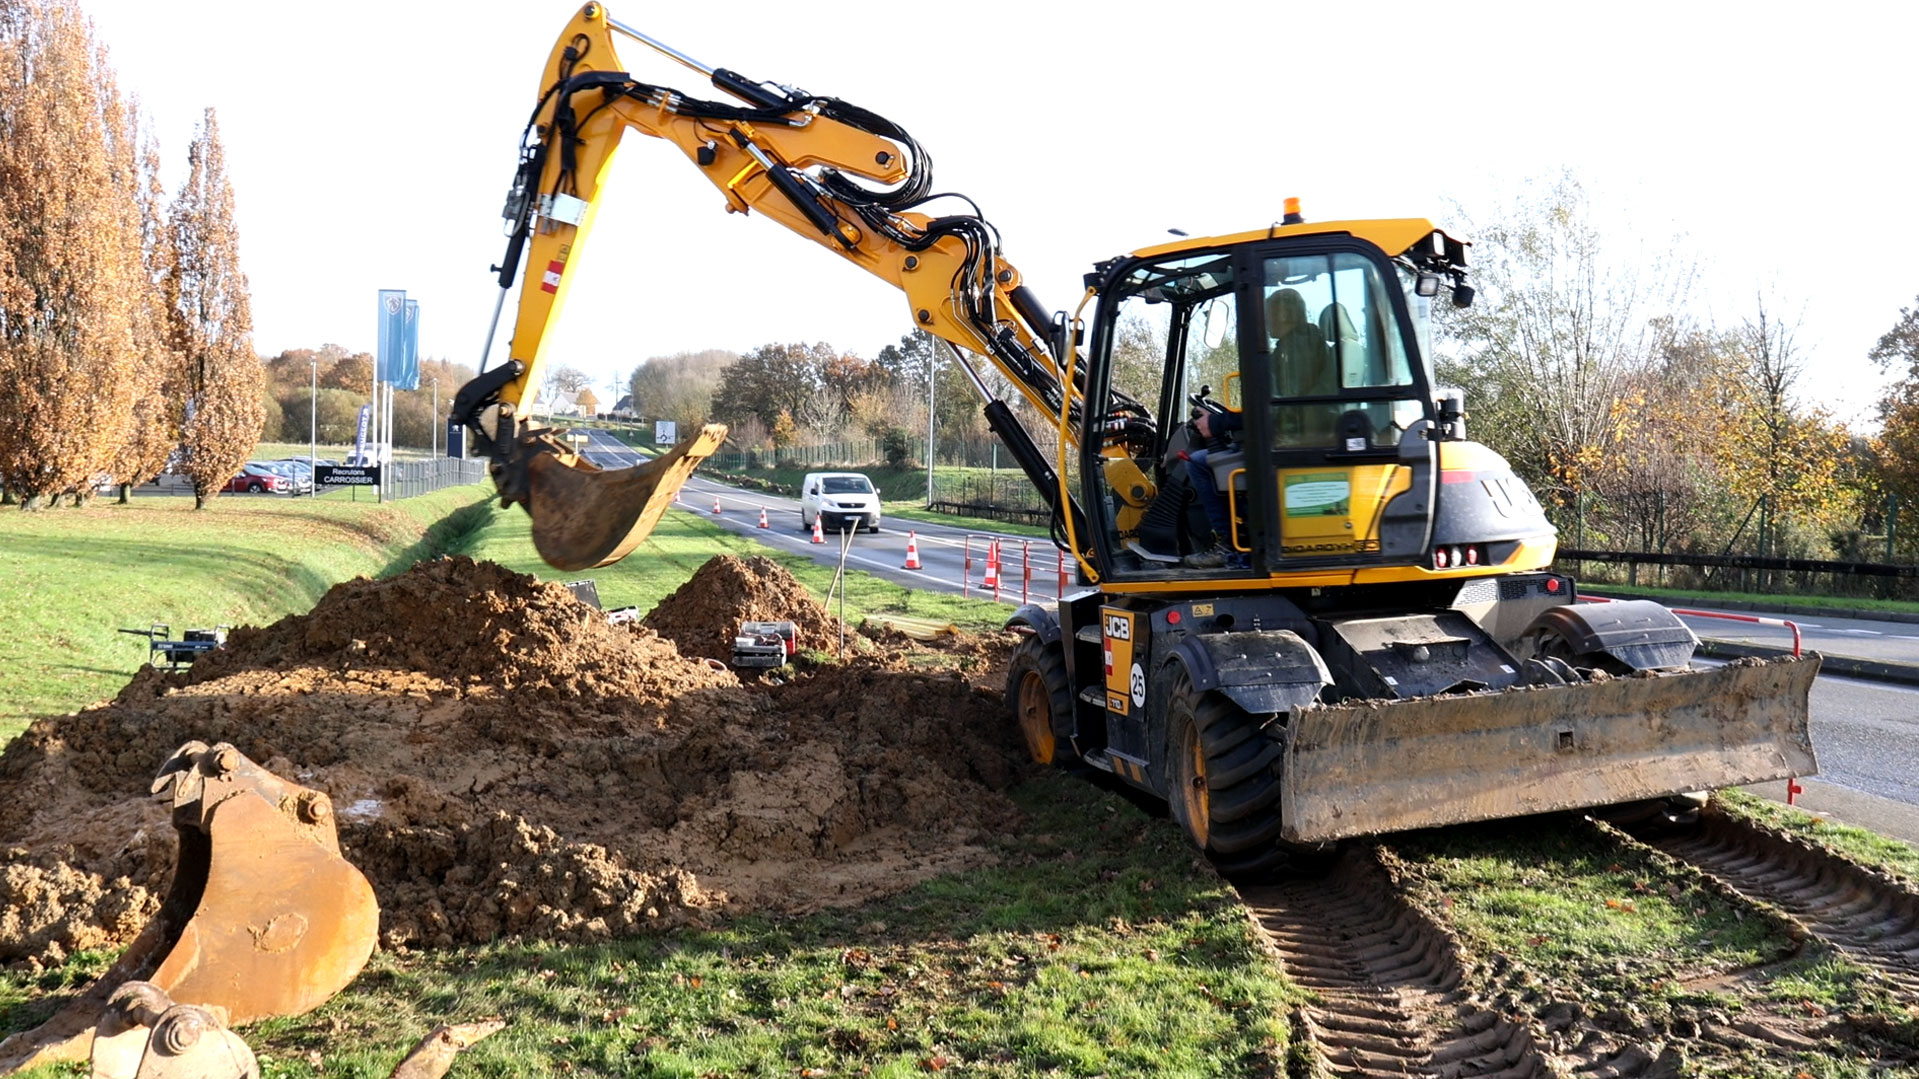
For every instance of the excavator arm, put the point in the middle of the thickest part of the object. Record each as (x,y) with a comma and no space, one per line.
(833,172)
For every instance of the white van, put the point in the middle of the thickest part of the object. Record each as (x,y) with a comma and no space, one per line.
(839,501)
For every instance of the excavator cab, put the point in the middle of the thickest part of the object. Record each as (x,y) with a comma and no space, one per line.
(1305,354)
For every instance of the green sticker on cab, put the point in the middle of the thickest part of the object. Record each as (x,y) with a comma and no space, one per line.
(1319,494)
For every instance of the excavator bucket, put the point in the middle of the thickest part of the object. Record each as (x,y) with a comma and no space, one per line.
(1389,766)
(585,516)
(263,918)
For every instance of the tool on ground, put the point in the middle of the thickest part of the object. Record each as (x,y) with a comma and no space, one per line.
(165,652)
(434,1055)
(263,916)
(912,551)
(1300,578)
(144,1034)
(765,644)
(586,591)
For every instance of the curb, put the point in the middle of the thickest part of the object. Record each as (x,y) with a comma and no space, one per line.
(1779,609)
(1871,669)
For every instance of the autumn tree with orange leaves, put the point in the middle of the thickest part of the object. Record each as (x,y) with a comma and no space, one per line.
(210,322)
(71,265)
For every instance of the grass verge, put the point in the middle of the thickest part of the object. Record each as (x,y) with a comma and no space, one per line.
(684,541)
(1100,945)
(1867,848)
(75,576)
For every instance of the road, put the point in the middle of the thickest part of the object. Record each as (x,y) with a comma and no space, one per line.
(1863,731)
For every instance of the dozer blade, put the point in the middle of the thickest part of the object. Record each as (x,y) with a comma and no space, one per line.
(1388,766)
(263,917)
(585,516)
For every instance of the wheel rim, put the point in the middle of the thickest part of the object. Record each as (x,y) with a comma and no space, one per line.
(1195,802)
(1036,718)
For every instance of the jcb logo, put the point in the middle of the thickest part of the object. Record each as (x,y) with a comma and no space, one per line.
(1119,627)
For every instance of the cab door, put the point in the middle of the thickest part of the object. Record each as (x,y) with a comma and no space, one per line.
(1347,408)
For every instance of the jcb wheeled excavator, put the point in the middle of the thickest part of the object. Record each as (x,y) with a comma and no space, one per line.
(1322,612)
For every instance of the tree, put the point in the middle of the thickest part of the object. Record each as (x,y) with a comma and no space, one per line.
(70,262)
(767,382)
(155,431)
(1897,447)
(1559,328)
(678,387)
(211,322)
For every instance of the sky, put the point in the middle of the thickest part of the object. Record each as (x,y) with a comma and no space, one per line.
(371,145)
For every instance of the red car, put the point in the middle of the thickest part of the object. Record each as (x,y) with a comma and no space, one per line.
(254,479)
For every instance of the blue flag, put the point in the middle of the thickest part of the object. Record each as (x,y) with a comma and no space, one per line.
(408,375)
(392,337)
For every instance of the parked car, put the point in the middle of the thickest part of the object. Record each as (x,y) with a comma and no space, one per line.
(258,479)
(839,500)
(295,471)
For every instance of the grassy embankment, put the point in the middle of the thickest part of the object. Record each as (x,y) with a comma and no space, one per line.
(73,577)
(1099,945)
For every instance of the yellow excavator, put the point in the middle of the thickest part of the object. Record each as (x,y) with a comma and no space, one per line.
(1310,607)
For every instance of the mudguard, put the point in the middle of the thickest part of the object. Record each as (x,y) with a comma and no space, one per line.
(1639,633)
(1036,618)
(1262,671)
(1369,767)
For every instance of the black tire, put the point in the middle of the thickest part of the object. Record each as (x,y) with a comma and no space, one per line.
(255,488)
(1039,698)
(1222,787)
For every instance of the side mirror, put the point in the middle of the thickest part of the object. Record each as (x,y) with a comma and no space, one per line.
(1218,317)
(813,490)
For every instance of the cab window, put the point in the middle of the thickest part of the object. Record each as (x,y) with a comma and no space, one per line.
(1341,376)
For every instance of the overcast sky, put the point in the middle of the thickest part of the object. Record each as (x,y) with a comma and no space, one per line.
(371,145)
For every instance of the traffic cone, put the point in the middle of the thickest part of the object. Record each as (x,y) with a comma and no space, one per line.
(913,551)
(763,523)
(716,504)
(818,536)
(992,567)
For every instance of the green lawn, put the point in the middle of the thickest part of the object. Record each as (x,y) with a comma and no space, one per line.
(684,541)
(73,577)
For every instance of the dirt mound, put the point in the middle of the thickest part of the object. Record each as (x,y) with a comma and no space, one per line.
(504,762)
(703,616)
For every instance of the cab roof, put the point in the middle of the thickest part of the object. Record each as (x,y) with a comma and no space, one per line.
(1395,235)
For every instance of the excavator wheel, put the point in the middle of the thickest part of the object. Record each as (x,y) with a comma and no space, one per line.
(1041,698)
(1222,789)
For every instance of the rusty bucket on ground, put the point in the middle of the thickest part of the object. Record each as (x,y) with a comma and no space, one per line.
(263,917)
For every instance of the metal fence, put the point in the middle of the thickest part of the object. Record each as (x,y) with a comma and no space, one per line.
(855,453)
(405,479)
(1744,573)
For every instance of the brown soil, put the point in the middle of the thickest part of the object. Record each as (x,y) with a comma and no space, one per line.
(704,614)
(505,762)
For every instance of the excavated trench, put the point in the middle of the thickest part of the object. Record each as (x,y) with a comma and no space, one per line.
(505,762)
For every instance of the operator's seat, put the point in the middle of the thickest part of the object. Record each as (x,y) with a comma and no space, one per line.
(1355,366)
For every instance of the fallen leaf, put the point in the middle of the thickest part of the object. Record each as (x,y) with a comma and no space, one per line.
(1534,942)
(892,1023)
(934,1064)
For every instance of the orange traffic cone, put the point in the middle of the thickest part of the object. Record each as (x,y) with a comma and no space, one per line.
(818,536)
(992,567)
(913,551)
(716,503)
(763,523)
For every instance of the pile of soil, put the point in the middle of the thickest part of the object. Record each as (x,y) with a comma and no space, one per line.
(705,613)
(504,762)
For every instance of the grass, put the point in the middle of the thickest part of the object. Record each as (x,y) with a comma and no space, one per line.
(1560,897)
(1862,846)
(1100,945)
(75,576)
(684,541)
(1766,600)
